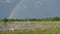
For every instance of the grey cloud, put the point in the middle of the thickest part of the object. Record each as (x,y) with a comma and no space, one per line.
(28,8)
(47,8)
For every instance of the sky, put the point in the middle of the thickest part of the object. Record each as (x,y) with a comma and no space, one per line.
(29,8)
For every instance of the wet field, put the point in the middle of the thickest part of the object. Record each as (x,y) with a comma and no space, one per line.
(30,25)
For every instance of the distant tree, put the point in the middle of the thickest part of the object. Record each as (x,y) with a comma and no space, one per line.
(56,19)
(5,21)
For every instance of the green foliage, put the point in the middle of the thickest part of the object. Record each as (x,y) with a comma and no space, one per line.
(56,19)
(5,19)
(34,19)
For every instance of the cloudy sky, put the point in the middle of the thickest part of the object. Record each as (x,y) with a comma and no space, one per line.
(29,8)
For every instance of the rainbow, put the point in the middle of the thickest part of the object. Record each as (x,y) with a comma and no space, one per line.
(14,8)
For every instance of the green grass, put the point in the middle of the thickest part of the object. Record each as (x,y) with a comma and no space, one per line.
(37,31)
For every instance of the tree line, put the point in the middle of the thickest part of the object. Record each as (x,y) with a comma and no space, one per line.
(33,19)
